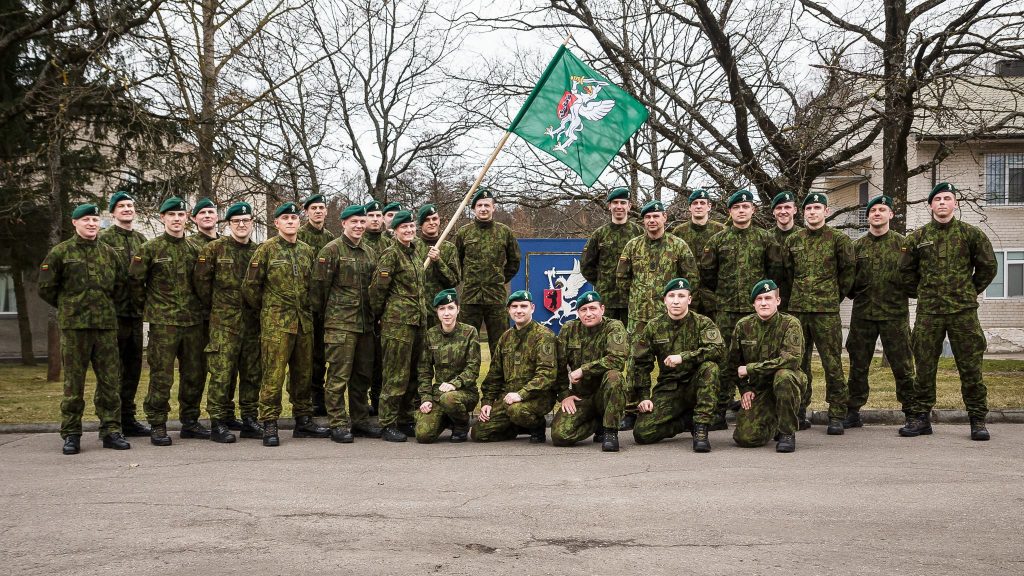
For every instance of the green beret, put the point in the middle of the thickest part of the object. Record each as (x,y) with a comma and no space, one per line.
(620,193)
(401,217)
(941,187)
(372,206)
(286,208)
(173,204)
(675,284)
(761,287)
(519,296)
(652,206)
(353,210)
(314,199)
(881,199)
(85,210)
(204,203)
(238,209)
(425,210)
(586,298)
(699,194)
(448,296)
(482,193)
(117,197)
(739,196)
(783,197)
(815,198)
(391,207)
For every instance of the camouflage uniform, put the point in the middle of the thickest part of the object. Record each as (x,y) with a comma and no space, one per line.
(129,318)
(341,282)
(278,284)
(682,391)
(821,264)
(489,257)
(880,308)
(784,284)
(161,283)
(317,239)
(601,353)
(946,266)
(523,362)
(772,350)
(379,242)
(599,261)
(233,347)
(440,275)
(396,293)
(453,358)
(696,237)
(83,279)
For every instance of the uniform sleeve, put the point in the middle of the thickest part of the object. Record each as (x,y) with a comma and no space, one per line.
(774,261)
(562,377)
(447,267)
(984,260)
(323,276)
(686,267)
(846,264)
(252,286)
(709,265)
(711,346)
(138,275)
(50,277)
(590,259)
(490,388)
(122,288)
(202,277)
(624,269)
(643,359)
(467,378)
(460,247)
(425,376)
(790,354)
(380,285)
(544,372)
(511,257)
(787,269)
(615,350)
(735,359)
(910,274)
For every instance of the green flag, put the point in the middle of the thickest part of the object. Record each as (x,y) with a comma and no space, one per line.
(578,116)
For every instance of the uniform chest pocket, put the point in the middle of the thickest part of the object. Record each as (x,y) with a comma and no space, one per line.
(348,271)
(749,348)
(167,265)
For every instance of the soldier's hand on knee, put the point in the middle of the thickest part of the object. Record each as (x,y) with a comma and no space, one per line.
(512,398)
(742,371)
(485,413)
(426,407)
(746,400)
(446,387)
(569,404)
(645,406)
(575,376)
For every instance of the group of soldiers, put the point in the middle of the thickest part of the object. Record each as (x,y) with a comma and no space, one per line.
(383,320)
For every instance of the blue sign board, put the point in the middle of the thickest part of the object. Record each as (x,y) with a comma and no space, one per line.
(550,270)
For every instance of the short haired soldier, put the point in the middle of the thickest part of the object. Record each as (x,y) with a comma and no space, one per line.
(315,233)
(591,364)
(83,279)
(946,264)
(601,255)
(689,348)
(390,210)
(696,232)
(204,216)
(784,210)
(443,271)
(766,352)
(519,389)
(448,370)
(378,240)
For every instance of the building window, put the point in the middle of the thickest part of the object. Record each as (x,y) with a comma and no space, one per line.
(8,304)
(1009,280)
(862,214)
(1004,178)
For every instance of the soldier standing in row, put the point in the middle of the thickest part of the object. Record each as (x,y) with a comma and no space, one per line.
(601,255)
(126,242)
(315,233)
(784,211)
(766,352)
(448,372)
(83,279)
(880,308)
(946,264)
(204,216)
(443,272)
(161,284)
(390,210)
(591,363)
(377,240)
(696,233)
(233,346)
(278,284)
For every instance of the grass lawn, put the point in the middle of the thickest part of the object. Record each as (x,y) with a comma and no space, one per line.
(26,396)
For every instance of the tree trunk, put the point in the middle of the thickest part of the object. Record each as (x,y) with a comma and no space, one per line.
(28,355)
(54,168)
(899,111)
(207,113)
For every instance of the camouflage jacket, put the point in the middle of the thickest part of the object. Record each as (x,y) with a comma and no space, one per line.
(316,239)
(601,257)
(489,258)
(877,291)
(946,266)
(83,279)
(377,241)
(200,240)
(161,281)
(596,350)
(783,281)
(646,265)
(694,337)
(440,275)
(396,291)
(821,265)
(126,243)
(523,362)
(278,283)
(734,260)
(453,358)
(765,347)
(695,235)
(341,285)
(220,271)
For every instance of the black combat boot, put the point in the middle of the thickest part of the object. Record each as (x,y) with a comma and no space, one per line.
(232,423)
(835,427)
(610,440)
(220,433)
(701,442)
(367,430)
(787,443)
(116,441)
(342,435)
(251,428)
(538,435)
(270,437)
(459,432)
(852,419)
(193,429)
(305,427)
(132,427)
(718,424)
(917,425)
(628,422)
(158,436)
(408,428)
(72,444)
(599,435)
(393,434)
(978,430)
(803,422)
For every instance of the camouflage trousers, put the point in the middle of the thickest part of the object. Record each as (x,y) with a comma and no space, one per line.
(824,331)
(452,408)
(674,404)
(129,350)
(318,368)
(232,357)
(510,420)
(350,358)
(79,348)
(967,340)
(377,378)
(495,316)
(603,408)
(726,322)
(773,409)
(860,343)
(167,343)
(282,352)
(401,343)
(639,383)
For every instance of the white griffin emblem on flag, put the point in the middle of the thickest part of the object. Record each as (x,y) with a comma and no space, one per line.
(577,104)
